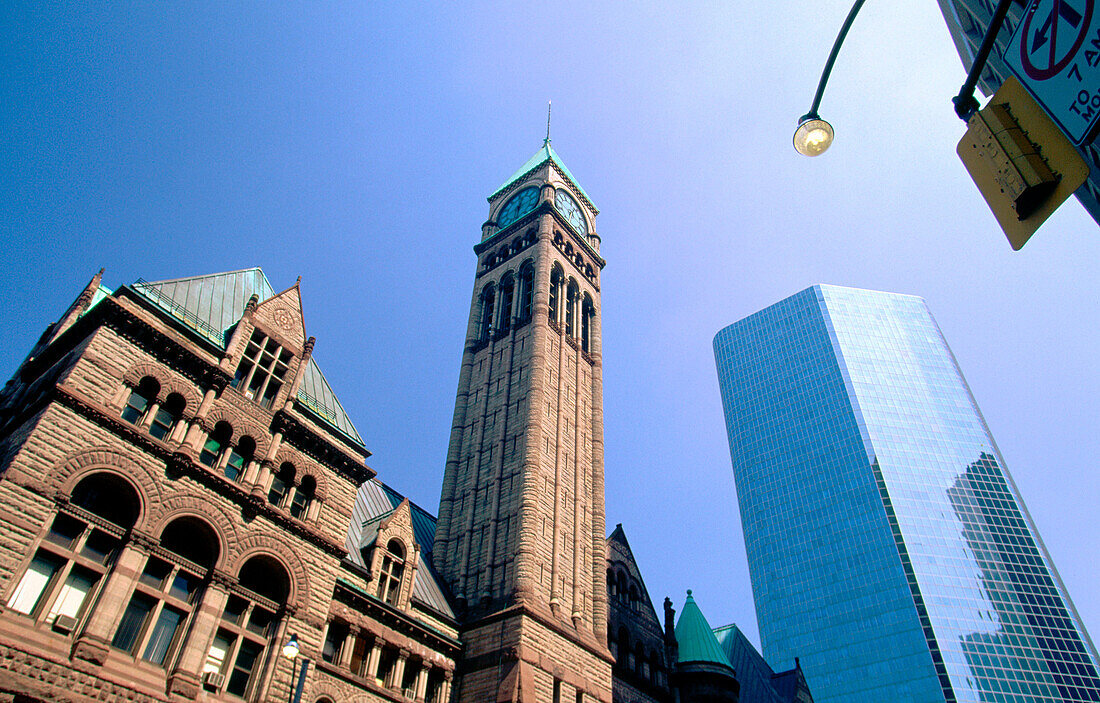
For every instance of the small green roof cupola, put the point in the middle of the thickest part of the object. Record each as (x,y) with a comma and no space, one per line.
(695,638)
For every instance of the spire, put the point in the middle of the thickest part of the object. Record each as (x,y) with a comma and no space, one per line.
(695,637)
(546,142)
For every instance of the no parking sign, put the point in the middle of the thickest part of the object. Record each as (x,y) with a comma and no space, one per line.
(1055,52)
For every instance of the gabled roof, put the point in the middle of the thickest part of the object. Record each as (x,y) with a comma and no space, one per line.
(694,637)
(546,153)
(211,306)
(753,673)
(373,503)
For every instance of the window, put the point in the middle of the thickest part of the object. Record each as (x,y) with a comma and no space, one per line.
(76,553)
(389,577)
(588,311)
(303,496)
(166,416)
(215,444)
(167,592)
(239,456)
(335,640)
(281,484)
(556,277)
(262,370)
(488,300)
(570,308)
(286,493)
(526,281)
(140,398)
(248,623)
(507,295)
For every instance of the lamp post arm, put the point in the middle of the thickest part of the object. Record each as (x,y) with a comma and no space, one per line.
(832,59)
(965,103)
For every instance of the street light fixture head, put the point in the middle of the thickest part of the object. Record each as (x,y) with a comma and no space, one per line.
(290,649)
(813,136)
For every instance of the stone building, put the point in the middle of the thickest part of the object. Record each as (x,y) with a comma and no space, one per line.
(185,499)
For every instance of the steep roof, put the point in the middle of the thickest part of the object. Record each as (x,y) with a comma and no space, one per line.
(694,637)
(373,503)
(546,153)
(753,673)
(211,306)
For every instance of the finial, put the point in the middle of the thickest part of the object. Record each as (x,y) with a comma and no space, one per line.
(546,142)
(689,593)
(299,281)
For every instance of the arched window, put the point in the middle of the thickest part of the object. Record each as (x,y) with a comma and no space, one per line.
(303,496)
(75,555)
(633,597)
(626,655)
(556,278)
(571,308)
(389,577)
(588,311)
(281,484)
(239,456)
(167,415)
(248,624)
(140,399)
(526,285)
(167,592)
(611,586)
(622,587)
(507,295)
(215,445)
(488,300)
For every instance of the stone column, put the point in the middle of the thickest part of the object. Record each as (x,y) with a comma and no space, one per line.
(421,687)
(397,674)
(185,678)
(94,640)
(373,660)
(348,648)
(445,687)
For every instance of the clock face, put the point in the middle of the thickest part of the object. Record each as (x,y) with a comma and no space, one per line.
(568,207)
(520,204)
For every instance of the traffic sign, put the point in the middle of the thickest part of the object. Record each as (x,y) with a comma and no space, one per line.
(1055,52)
(1011,150)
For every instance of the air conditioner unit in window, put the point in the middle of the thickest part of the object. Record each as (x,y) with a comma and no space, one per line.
(213,679)
(64,623)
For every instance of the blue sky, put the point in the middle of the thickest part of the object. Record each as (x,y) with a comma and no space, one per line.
(355,145)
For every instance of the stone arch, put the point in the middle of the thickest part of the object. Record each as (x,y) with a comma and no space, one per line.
(190,395)
(261,436)
(289,455)
(257,544)
(140,370)
(227,415)
(191,505)
(74,468)
(318,475)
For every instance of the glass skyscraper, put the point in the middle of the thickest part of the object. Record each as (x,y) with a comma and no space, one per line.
(888,547)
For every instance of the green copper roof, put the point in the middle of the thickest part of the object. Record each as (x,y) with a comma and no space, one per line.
(695,638)
(211,305)
(546,153)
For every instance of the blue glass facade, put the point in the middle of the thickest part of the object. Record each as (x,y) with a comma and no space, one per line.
(887,544)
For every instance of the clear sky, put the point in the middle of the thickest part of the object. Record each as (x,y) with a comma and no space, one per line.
(355,145)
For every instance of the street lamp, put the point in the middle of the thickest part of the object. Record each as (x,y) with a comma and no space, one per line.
(814,135)
(291,650)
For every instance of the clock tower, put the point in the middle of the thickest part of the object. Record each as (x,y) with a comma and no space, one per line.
(520,537)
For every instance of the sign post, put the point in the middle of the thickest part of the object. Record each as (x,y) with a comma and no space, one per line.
(1055,52)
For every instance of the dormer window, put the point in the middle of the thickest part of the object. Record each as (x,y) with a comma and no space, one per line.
(393,566)
(262,370)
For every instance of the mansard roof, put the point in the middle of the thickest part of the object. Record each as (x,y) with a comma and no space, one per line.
(374,502)
(546,153)
(694,637)
(211,306)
